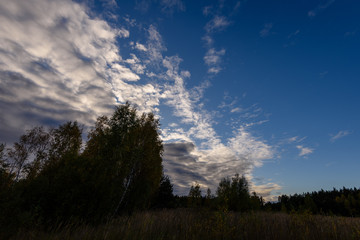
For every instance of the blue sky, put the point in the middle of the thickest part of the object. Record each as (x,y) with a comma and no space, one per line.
(268,89)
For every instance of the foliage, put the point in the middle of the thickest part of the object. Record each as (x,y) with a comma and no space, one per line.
(194,197)
(164,197)
(46,178)
(234,194)
(49,177)
(342,202)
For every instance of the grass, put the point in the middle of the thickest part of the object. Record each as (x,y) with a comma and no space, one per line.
(195,224)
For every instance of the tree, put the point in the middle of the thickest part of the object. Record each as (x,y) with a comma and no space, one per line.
(224,192)
(164,196)
(51,180)
(234,193)
(126,150)
(195,195)
(6,178)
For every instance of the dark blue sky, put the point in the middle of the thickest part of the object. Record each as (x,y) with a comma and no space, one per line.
(268,89)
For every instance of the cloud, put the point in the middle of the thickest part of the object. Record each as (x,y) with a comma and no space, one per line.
(155,46)
(186,163)
(207,159)
(304,150)
(236,110)
(140,47)
(213,59)
(218,23)
(266,30)
(266,190)
(351,33)
(57,64)
(323,74)
(142,5)
(171,5)
(295,139)
(339,135)
(321,7)
(207,10)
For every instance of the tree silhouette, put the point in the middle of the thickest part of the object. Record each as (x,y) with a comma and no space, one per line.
(234,194)
(194,196)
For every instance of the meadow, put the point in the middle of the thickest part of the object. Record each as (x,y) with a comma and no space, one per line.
(205,224)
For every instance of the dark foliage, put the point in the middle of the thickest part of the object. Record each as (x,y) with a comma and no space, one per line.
(342,202)
(46,179)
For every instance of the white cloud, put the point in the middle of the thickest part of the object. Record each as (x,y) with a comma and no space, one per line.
(320,8)
(339,135)
(213,59)
(218,23)
(351,33)
(304,150)
(295,139)
(293,34)
(207,10)
(266,30)
(241,154)
(57,63)
(135,64)
(236,110)
(171,5)
(155,46)
(140,47)
(266,190)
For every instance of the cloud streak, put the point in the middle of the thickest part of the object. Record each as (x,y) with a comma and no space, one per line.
(57,63)
(339,135)
(321,7)
(266,30)
(304,151)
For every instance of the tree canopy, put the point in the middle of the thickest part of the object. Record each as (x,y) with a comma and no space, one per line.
(47,176)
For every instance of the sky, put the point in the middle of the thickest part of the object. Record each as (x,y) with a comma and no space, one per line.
(265,89)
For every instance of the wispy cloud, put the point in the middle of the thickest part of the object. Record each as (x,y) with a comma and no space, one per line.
(292,38)
(213,60)
(218,23)
(171,5)
(351,33)
(58,63)
(266,30)
(323,74)
(166,6)
(295,139)
(304,151)
(293,34)
(339,135)
(213,57)
(320,8)
(140,47)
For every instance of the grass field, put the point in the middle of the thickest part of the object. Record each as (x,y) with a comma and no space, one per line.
(195,224)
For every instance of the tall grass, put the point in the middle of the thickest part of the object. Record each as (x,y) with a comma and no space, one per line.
(194,224)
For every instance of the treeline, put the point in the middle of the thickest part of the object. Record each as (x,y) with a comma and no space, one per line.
(342,202)
(50,178)
(232,194)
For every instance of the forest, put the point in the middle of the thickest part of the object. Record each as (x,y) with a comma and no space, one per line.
(54,186)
